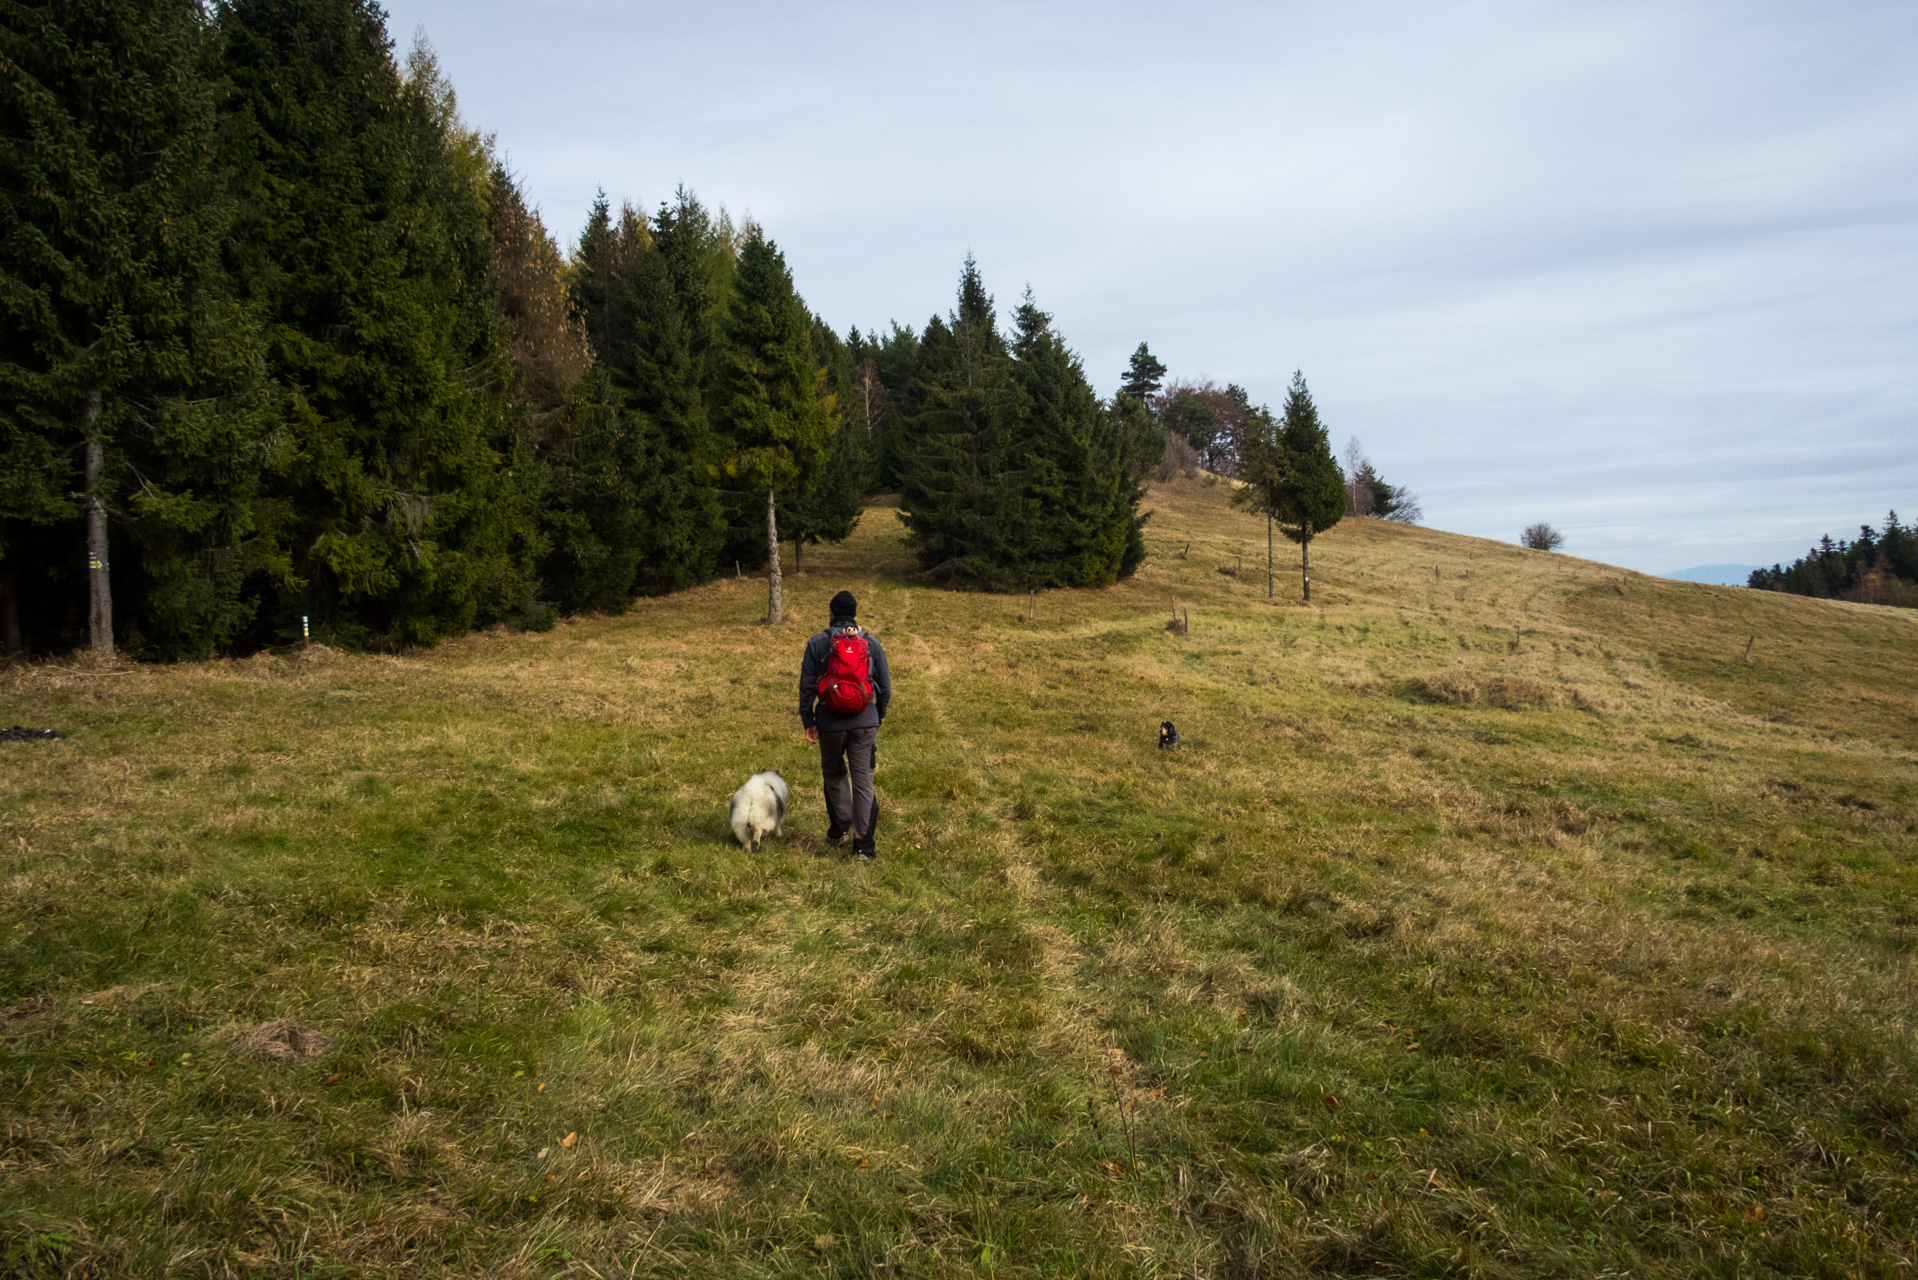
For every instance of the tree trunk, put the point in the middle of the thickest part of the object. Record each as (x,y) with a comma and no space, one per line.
(1305,567)
(1268,557)
(99,588)
(774,614)
(10,643)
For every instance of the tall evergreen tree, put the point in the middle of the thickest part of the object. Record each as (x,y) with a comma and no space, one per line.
(892,363)
(126,371)
(959,493)
(701,252)
(1291,476)
(1016,476)
(859,399)
(1079,494)
(865,401)
(367,250)
(594,510)
(773,415)
(600,267)
(912,383)
(978,348)
(701,249)
(686,526)
(636,510)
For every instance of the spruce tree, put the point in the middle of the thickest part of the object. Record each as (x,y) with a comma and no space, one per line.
(773,416)
(628,514)
(865,401)
(1015,475)
(606,249)
(685,526)
(959,492)
(1898,545)
(893,361)
(367,251)
(910,382)
(634,510)
(701,251)
(978,347)
(1078,493)
(592,516)
(1291,476)
(488,487)
(126,370)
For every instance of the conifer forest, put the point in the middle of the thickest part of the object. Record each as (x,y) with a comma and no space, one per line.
(284,347)
(1880,566)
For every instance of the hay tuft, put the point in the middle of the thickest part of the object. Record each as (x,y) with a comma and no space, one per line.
(281,1040)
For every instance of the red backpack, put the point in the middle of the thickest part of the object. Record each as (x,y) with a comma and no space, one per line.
(846,688)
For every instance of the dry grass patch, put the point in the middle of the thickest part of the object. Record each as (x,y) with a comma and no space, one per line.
(281,1040)
(1453,687)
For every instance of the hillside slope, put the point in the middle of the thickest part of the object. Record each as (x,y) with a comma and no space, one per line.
(1497,917)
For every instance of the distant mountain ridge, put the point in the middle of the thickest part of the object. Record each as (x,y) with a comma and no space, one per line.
(1724,575)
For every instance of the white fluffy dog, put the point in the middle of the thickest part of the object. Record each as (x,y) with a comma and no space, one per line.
(759,807)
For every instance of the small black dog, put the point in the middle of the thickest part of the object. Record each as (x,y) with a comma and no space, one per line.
(1168,736)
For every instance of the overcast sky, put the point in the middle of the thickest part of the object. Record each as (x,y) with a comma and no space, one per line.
(1646,271)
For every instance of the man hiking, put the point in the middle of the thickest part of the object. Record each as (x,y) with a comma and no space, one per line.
(844,690)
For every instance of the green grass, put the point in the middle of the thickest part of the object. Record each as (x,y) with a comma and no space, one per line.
(1495,919)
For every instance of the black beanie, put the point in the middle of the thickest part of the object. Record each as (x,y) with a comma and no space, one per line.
(844,606)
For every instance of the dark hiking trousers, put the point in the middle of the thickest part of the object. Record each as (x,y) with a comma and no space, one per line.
(846,758)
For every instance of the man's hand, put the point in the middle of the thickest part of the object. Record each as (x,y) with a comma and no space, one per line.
(812,736)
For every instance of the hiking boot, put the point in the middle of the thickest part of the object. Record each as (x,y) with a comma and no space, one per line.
(835,839)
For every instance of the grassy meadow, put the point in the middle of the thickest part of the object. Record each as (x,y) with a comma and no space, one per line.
(1496,918)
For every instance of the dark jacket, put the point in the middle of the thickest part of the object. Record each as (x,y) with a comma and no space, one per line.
(813,666)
